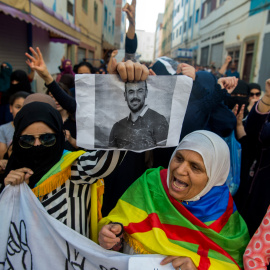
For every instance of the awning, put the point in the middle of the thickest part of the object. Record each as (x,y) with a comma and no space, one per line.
(57,35)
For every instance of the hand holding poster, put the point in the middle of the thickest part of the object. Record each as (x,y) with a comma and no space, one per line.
(135,116)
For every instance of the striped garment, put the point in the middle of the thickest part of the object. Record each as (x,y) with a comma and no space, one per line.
(70,203)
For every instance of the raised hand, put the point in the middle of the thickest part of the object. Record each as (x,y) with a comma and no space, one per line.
(240,130)
(228,59)
(267,88)
(187,70)
(130,71)
(37,63)
(264,104)
(229,83)
(130,11)
(112,63)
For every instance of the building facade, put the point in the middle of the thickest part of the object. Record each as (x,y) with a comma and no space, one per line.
(145,49)
(206,31)
(60,28)
(108,25)
(240,29)
(120,24)
(158,37)
(185,30)
(167,28)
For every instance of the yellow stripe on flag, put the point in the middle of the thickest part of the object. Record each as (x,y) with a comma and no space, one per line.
(97,191)
(124,213)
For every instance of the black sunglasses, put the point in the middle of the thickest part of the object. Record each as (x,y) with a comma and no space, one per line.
(47,139)
(255,94)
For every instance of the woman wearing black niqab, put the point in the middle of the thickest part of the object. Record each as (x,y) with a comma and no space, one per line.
(40,159)
(59,178)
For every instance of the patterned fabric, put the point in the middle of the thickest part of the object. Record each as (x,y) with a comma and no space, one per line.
(70,203)
(257,254)
(154,222)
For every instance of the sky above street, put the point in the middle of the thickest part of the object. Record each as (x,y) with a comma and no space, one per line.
(147,13)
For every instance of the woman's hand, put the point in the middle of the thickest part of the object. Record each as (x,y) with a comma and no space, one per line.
(70,139)
(183,263)
(130,10)
(16,177)
(267,88)
(107,236)
(128,71)
(37,63)
(264,103)
(229,83)
(3,164)
(240,130)
(187,70)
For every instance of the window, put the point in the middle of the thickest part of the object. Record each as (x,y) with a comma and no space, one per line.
(190,21)
(70,8)
(268,17)
(105,16)
(177,10)
(95,12)
(197,16)
(85,5)
(177,33)
(182,3)
(186,1)
(208,7)
(185,27)
(180,30)
(113,27)
(221,2)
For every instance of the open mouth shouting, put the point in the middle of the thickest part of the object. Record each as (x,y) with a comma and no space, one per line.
(179,185)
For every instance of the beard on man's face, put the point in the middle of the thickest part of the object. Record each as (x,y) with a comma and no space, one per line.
(135,104)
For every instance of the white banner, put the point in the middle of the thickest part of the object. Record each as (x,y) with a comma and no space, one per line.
(31,239)
(133,116)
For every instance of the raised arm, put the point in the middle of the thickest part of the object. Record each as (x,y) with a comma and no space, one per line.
(131,13)
(225,65)
(36,62)
(131,38)
(96,164)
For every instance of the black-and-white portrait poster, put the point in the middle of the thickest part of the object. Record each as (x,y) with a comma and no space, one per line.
(135,116)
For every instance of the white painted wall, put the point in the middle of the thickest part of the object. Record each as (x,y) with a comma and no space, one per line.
(146,43)
(52,53)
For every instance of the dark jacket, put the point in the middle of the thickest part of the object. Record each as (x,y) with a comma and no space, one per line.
(252,198)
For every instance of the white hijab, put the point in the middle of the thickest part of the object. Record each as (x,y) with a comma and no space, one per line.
(215,154)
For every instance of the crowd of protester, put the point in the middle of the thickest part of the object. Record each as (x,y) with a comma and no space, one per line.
(38,132)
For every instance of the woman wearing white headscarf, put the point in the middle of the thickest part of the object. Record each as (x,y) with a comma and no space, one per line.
(185,212)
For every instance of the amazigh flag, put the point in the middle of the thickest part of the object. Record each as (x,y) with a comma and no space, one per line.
(156,223)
